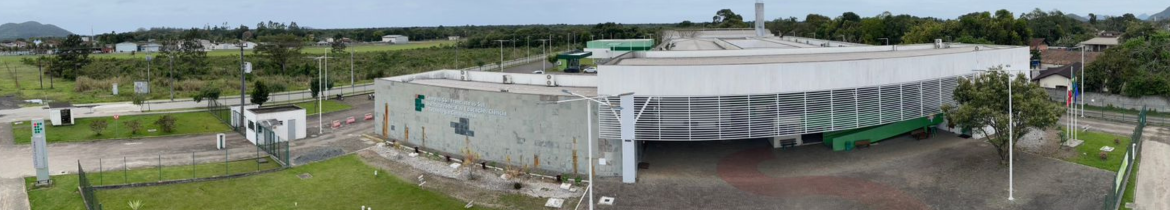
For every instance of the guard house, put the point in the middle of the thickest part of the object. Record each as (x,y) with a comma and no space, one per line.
(573,60)
(61,113)
(273,124)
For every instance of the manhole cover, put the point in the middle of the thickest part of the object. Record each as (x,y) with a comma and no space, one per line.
(305,176)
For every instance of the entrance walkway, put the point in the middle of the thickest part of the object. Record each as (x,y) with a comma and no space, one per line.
(1152,190)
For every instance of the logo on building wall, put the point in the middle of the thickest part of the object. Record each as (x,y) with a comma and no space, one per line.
(463,127)
(418,102)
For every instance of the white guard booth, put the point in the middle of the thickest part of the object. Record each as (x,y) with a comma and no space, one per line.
(285,122)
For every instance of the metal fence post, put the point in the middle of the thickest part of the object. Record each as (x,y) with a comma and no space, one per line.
(193,165)
(125,173)
(225,162)
(101,174)
(160,177)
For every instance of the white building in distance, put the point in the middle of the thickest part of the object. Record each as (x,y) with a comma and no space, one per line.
(396,39)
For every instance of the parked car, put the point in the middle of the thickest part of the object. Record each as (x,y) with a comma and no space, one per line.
(591,70)
(538,72)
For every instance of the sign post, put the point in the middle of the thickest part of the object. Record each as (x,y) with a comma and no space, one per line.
(40,153)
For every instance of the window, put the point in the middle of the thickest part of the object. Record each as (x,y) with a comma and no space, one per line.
(250,126)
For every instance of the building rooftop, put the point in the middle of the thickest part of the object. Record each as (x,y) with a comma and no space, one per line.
(274,109)
(510,88)
(495,81)
(795,55)
(1111,41)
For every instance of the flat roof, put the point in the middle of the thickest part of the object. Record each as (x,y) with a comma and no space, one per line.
(793,58)
(274,109)
(511,88)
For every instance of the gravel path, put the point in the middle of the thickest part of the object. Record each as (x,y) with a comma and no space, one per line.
(485,179)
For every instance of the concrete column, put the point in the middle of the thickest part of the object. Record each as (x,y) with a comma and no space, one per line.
(629,146)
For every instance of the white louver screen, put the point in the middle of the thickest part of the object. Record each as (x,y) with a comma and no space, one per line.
(770,115)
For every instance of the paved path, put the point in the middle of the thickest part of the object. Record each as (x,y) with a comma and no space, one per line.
(127,108)
(1152,190)
(12,194)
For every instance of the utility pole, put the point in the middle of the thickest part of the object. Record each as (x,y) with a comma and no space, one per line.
(41,73)
(544,54)
(243,87)
(501,65)
(352,88)
(457,52)
(172,75)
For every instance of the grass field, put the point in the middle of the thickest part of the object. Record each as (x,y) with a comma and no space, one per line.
(63,193)
(28,76)
(327,106)
(340,183)
(186,123)
(1087,153)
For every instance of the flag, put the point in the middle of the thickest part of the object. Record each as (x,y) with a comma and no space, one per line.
(1068,100)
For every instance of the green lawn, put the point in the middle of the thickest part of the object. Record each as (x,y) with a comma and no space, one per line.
(1129,187)
(63,193)
(185,123)
(340,183)
(1087,153)
(327,106)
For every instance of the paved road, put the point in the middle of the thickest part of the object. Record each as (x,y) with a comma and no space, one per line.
(127,108)
(12,194)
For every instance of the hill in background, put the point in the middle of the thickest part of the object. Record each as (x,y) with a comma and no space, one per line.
(30,29)
(1165,14)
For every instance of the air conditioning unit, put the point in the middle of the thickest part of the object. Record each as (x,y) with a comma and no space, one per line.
(938,43)
(550,80)
(508,79)
(463,75)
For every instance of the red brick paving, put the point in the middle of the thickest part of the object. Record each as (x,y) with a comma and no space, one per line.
(741,171)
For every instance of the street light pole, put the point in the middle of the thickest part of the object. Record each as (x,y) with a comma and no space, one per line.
(351,86)
(243,88)
(543,54)
(1011,136)
(172,75)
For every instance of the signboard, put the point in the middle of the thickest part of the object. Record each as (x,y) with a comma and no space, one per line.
(40,153)
(115,117)
(115,89)
(248,67)
(141,87)
(456,108)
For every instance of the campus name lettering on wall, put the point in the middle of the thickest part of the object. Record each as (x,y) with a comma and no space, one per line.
(460,108)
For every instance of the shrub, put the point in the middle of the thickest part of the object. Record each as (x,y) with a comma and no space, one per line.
(97,126)
(134,126)
(166,122)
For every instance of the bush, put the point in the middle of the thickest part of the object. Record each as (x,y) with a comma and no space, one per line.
(166,122)
(134,126)
(97,126)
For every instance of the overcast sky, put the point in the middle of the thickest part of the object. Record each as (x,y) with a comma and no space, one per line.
(79,16)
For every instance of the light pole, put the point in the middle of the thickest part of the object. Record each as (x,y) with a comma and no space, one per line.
(351,86)
(1011,134)
(243,88)
(320,88)
(172,75)
(589,126)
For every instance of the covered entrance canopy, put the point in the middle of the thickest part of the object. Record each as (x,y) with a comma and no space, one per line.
(573,60)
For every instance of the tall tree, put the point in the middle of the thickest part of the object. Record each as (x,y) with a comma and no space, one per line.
(337,46)
(280,49)
(259,93)
(725,18)
(983,107)
(71,56)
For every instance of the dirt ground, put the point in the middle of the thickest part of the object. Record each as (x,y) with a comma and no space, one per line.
(456,188)
(944,172)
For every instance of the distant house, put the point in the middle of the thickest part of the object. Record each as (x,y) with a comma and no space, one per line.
(1100,43)
(396,39)
(151,47)
(1039,44)
(1060,57)
(126,47)
(1058,77)
(235,46)
(453,38)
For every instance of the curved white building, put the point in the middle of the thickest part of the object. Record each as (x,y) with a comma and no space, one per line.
(695,86)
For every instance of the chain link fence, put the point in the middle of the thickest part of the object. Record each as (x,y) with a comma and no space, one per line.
(88,196)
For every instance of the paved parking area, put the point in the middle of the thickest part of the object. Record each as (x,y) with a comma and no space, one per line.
(945,172)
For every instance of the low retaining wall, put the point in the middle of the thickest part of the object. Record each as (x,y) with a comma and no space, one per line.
(1156,103)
